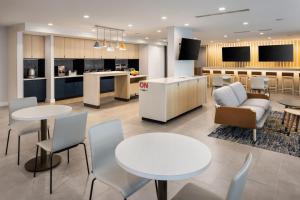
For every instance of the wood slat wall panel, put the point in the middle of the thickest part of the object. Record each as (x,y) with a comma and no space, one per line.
(214,55)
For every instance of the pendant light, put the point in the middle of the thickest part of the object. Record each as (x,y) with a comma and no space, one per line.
(118,43)
(110,47)
(97,44)
(122,44)
(104,41)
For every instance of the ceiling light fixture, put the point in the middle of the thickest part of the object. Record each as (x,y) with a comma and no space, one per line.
(225,36)
(146,38)
(130,25)
(86,16)
(245,23)
(122,44)
(261,33)
(186,24)
(118,43)
(163,17)
(222,9)
(158,31)
(110,48)
(97,44)
(50,24)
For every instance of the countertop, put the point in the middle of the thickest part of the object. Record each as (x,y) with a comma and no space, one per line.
(252,68)
(111,73)
(171,80)
(69,76)
(33,79)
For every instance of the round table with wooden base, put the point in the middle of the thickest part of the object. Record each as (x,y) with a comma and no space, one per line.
(289,103)
(291,117)
(41,113)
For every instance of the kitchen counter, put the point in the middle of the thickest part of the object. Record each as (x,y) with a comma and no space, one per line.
(171,80)
(69,76)
(252,68)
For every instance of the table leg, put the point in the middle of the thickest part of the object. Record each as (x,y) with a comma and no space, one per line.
(291,124)
(297,123)
(43,160)
(162,190)
(283,116)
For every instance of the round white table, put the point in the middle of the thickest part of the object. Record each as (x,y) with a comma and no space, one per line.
(163,157)
(42,113)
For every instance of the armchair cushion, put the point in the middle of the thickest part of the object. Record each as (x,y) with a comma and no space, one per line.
(224,96)
(239,91)
(259,111)
(263,103)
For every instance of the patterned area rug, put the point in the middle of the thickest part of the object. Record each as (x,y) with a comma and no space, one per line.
(271,137)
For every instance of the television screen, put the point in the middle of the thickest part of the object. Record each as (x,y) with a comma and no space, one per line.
(236,54)
(275,53)
(189,49)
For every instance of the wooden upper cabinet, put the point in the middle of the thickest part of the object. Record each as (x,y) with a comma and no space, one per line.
(27,46)
(33,46)
(74,48)
(59,47)
(135,53)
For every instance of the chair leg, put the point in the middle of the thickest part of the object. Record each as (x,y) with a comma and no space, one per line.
(48,133)
(156,189)
(91,191)
(254,135)
(68,156)
(36,158)
(51,156)
(8,134)
(19,140)
(86,159)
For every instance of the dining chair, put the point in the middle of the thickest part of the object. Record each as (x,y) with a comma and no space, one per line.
(193,192)
(217,82)
(258,84)
(22,127)
(104,138)
(69,132)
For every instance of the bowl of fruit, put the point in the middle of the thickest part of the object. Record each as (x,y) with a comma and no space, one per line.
(134,72)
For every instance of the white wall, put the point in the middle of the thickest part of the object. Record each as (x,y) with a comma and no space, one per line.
(178,67)
(3,66)
(152,61)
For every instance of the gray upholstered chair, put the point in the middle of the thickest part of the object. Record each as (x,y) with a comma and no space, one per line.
(21,127)
(217,82)
(69,132)
(193,192)
(257,83)
(103,139)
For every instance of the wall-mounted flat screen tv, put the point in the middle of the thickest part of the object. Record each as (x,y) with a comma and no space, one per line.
(276,53)
(236,54)
(189,49)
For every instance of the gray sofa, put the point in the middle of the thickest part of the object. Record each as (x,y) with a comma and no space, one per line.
(236,107)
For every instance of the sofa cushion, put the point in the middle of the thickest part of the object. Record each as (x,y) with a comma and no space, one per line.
(224,96)
(263,103)
(239,91)
(259,111)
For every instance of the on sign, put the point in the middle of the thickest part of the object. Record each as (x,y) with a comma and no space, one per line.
(143,85)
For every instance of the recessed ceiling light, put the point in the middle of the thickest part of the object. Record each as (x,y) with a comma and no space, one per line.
(164,40)
(261,33)
(86,16)
(225,36)
(130,25)
(94,30)
(163,17)
(50,24)
(222,9)
(146,38)
(245,23)
(186,24)
(269,38)
(158,31)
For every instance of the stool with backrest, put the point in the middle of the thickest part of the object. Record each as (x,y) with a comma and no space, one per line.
(217,82)
(104,139)
(288,82)
(231,74)
(273,81)
(235,192)
(22,127)
(243,78)
(69,132)
(257,84)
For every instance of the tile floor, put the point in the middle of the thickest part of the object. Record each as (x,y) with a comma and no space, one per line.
(272,176)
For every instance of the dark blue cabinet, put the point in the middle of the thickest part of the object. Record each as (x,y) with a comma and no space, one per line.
(35,88)
(68,87)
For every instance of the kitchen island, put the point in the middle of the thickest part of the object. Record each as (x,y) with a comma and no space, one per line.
(166,98)
(91,87)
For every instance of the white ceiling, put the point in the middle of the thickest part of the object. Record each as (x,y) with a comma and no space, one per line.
(145,15)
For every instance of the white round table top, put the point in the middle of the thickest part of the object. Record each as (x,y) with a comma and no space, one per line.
(163,156)
(292,111)
(41,112)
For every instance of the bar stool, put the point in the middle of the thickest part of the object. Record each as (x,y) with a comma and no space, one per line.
(214,74)
(255,74)
(207,73)
(217,82)
(288,82)
(273,81)
(258,84)
(231,73)
(243,78)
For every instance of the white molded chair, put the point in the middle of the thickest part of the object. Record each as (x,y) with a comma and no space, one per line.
(22,127)
(103,139)
(217,82)
(69,132)
(258,84)
(193,192)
